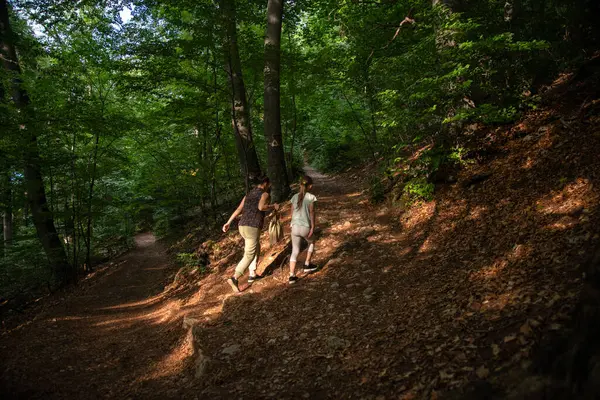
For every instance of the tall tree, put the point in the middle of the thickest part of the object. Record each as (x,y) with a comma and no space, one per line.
(36,192)
(276,156)
(7,212)
(240,116)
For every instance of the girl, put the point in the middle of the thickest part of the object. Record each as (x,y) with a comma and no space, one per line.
(253,208)
(303,225)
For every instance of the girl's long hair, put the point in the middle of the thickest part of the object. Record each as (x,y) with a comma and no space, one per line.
(304,182)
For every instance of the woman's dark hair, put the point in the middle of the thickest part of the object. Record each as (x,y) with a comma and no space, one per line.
(304,182)
(263,179)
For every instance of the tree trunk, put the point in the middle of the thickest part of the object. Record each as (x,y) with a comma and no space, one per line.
(294,111)
(240,116)
(71,223)
(276,156)
(36,192)
(88,255)
(7,216)
(370,98)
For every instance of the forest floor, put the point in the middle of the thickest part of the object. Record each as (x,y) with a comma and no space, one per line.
(446,298)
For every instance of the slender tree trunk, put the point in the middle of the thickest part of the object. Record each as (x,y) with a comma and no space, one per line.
(68,239)
(74,210)
(36,192)
(240,115)
(51,178)
(88,255)
(276,156)
(294,111)
(370,98)
(7,215)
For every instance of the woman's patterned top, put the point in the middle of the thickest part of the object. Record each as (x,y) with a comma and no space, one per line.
(251,215)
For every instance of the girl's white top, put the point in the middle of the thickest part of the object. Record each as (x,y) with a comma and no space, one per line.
(301,216)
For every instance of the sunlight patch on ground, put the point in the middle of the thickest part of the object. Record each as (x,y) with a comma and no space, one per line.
(158,317)
(352,195)
(570,200)
(499,302)
(520,252)
(172,364)
(67,318)
(428,245)
(150,301)
(561,225)
(490,272)
(387,269)
(213,311)
(528,164)
(406,250)
(382,239)
(419,215)
(476,213)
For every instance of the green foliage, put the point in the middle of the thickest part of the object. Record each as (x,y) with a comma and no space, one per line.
(418,189)
(337,154)
(457,156)
(191,262)
(188,259)
(23,266)
(376,190)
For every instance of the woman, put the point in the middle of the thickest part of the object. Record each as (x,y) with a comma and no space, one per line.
(303,225)
(253,209)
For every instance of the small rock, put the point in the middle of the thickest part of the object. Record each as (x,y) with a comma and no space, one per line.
(231,350)
(271,341)
(368,291)
(482,372)
(286,337)
(335,343)
(347,224)
(335,285)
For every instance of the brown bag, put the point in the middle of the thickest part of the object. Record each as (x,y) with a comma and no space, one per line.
(275,229)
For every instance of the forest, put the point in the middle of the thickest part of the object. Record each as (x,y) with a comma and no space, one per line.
(127,118)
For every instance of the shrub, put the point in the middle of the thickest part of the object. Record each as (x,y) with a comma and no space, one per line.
(376,190)
(418,189)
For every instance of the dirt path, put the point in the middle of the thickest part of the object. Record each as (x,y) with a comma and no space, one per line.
(406,305)
(96,339)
